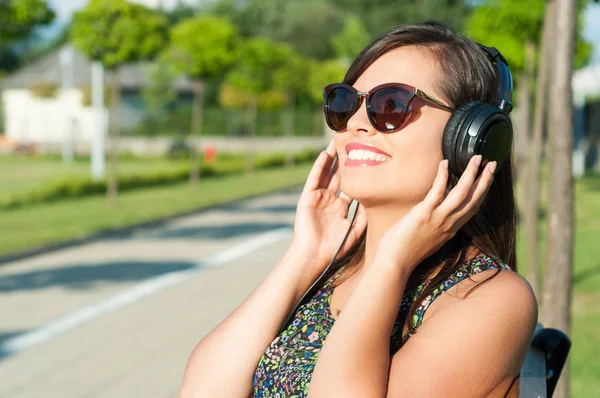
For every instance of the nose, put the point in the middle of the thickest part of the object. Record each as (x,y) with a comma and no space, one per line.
(359,122)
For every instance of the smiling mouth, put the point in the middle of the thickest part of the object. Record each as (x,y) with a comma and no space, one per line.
(365,155)
(365,160)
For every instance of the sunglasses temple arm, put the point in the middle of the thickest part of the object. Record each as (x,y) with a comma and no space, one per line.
(421,94)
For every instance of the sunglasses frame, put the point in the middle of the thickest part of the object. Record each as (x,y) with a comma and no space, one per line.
(415,92)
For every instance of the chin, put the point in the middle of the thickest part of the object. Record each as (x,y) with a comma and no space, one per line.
(369,197)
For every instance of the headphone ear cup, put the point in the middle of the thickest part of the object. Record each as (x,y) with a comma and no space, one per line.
(452,133)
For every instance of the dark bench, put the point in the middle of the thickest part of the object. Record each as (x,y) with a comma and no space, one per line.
(545,360)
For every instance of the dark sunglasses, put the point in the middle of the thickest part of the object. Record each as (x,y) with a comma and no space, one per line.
(388,105)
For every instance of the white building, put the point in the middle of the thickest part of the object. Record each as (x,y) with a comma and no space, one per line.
(49,122)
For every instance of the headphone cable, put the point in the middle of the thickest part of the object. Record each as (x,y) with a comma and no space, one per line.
(311,289)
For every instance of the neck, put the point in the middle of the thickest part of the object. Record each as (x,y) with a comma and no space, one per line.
(380,219)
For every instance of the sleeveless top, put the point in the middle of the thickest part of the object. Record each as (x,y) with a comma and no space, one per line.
(285,369)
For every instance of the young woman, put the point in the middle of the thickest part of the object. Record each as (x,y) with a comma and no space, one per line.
(424,299)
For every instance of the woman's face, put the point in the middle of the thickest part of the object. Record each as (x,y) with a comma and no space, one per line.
(415,149)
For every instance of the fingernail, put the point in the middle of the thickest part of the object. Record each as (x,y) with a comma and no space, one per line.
(493,167)
(445,163)
(478,160)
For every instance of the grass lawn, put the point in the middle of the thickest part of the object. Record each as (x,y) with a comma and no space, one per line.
(585,334)
(23,174)
(36,225)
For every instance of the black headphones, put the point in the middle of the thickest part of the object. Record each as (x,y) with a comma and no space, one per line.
(479,128)
(474,128)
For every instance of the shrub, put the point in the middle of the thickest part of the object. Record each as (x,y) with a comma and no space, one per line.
(43,89)
(82,187)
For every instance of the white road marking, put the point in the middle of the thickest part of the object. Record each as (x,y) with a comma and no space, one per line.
(86,314)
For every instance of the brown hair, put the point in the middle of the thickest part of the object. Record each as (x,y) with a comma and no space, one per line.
(467,75)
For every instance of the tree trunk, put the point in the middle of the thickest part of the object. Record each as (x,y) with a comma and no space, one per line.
(198,106)
(115,128)
(532,187)
(289,131)
(524,117)
(250,148)
(559,247)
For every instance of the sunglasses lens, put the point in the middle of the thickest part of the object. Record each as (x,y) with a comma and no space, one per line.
(388,108)
(341,105)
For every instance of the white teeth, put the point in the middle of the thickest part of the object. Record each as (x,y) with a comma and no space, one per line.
(361,154)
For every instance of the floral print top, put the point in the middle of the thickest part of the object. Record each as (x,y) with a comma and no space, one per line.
(285,369)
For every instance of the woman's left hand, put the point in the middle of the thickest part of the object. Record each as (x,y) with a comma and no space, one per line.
(436,219)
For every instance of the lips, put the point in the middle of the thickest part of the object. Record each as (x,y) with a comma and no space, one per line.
(366,147)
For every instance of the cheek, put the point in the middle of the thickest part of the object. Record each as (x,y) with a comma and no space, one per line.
(419,155)
(339,143)
(418,178)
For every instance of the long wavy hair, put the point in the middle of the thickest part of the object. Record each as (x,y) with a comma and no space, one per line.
(466,74)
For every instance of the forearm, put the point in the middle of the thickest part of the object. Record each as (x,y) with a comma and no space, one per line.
(223,363)
(354,361)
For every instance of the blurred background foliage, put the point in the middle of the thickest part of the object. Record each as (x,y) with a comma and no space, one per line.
(280,52)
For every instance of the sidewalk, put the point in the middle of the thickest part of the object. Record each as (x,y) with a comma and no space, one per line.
(119,317)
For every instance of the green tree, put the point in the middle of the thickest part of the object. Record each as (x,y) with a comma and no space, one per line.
(306,25)
(158,93)
(510,25)
(181,11)
(309,25)
(202,48)
(116,32)
(380,15)
(18,18)
(291,78)
(321,74)
(351,40)
(9,59)
(259,79)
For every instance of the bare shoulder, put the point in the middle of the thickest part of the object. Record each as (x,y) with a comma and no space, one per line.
(503,300)
(490,288)
(482,336)
(508,294)
(494,283)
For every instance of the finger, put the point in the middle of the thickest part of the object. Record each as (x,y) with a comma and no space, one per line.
(328,170)
(458,194)
(335,178)
(476,195)
(345,198)
(331,148)
(316,174)
(435,196)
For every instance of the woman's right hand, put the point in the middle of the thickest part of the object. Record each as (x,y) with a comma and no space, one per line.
(321,224)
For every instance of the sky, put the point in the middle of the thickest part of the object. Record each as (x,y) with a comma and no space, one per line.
(592,29)
(64,9)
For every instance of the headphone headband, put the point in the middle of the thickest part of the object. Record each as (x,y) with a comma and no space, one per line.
(505,81)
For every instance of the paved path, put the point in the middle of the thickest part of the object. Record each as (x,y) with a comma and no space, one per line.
(119,317)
